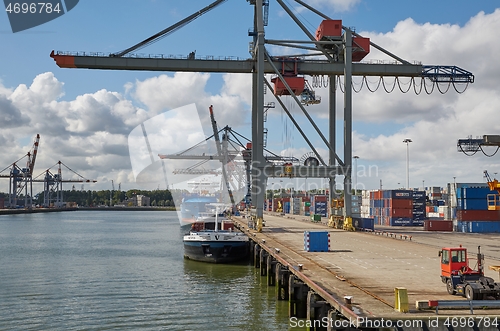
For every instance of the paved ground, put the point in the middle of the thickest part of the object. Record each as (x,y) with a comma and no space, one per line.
(377,264)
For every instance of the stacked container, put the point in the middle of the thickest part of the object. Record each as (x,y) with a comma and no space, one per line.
(376,204)
(365,204)
(472,210)
(296,206)
(356,201)
(398,208)
(319,205)
(307,207)
(419,215)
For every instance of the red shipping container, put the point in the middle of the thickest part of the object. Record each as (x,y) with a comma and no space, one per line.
(401,203)
(405,213)
(478,215)
(431,225)
(320,198)
(329,28)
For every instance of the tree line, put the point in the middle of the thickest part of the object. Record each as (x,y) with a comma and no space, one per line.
(89,198)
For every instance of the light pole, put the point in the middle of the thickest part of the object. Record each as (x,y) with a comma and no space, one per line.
(407,141)
(423,185)
(355,157)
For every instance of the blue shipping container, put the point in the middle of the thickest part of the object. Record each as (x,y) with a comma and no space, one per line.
(418,222)
(286,207)
(316,241)
(363,223)
(400,221)
(478,226)
(476,192)
(475,204)
(418,195)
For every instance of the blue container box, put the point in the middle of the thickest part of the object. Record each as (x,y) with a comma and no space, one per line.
(475,204)
(363,223)
(418,222)
(400,221)
(316,241)
(286,207)
(482,226)
(418,195)
(476,192)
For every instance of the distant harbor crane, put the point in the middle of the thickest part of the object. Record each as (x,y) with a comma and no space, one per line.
(21,178)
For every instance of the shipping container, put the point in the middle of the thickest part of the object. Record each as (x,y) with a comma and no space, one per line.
(478,215)
(472,204)
(418,222)
(405,213)
(476,192)
(441,225)
(478,226)
(419,195)
(462,186)
(418,204)
(398,194)
(316,241)
(363,223)
(400,203)
(286,207)
(400,221)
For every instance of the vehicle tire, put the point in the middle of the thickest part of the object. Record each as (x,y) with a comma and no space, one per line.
(470,294)
(449,287)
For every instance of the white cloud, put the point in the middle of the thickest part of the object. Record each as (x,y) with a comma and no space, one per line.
(337,5)
(89,133)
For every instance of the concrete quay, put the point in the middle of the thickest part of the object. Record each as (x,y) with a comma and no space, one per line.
(356,279)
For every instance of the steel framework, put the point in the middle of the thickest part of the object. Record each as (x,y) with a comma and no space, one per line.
(336,60)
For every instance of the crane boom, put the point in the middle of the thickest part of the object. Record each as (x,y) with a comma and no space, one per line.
(169,30)
(32,158)
(222,154)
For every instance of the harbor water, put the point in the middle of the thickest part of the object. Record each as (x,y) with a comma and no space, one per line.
(119,270)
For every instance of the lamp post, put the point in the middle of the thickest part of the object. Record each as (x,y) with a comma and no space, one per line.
(407,141)
(423,185)
(355,157)
(272,196)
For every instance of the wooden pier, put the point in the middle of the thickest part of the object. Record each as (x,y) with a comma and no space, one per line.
(367,280)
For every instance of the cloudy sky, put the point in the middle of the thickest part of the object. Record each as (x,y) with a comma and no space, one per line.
(85,117)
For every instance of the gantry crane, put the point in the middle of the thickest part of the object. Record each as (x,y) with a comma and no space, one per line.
(52,184)
(21,178)
(471,146)
(336,51)
(234,154)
